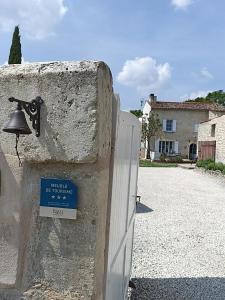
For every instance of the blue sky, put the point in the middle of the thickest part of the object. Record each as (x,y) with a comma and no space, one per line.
(173,48)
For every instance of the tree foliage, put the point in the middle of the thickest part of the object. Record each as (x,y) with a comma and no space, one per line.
(137,112)
(15,55)
(150,129)
(217,97)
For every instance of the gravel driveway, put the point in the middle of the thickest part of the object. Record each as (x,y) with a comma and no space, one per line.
(179,246)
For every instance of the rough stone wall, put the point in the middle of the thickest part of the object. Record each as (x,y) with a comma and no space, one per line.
(220,140)
(69,91)
(204,134)
(11,176)
(56,258)
(186,119)
(215,114)
(204,131)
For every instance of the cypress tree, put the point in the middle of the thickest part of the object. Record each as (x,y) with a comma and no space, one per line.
(15,55)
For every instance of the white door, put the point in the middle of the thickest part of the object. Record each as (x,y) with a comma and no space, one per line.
(123,205)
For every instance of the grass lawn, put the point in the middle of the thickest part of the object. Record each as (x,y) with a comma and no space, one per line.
(147,163)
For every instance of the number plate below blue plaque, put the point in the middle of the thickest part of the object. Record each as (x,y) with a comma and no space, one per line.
(58,198)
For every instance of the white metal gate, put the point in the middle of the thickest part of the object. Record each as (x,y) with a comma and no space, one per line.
(123,205)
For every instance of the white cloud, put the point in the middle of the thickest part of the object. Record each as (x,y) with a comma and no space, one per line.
(195,95)
(181,4)
(205,74)
(37,18)
(144,74)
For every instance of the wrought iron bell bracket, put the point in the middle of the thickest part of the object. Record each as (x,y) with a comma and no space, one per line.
(33,109)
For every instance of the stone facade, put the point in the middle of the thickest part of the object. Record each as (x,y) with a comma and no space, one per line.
(185,118)
(214,130)
(185,133)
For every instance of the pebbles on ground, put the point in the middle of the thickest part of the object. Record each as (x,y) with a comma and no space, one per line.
(179,245)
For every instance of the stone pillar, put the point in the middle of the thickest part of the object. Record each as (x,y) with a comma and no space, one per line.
(48,258)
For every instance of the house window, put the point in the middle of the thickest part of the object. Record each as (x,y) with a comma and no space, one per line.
(213,130)
(166,147)
(169,125)
(196,127)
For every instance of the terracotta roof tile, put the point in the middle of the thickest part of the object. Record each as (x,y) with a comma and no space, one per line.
(187,106)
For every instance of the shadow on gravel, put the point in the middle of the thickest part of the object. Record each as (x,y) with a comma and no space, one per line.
(202,288)
(141,208)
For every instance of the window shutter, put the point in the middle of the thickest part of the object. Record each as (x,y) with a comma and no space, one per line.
(174,125)
(157,145)
(196,128)
(176,147)
(164,125)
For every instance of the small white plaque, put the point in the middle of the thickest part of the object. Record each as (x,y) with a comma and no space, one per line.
(55,212)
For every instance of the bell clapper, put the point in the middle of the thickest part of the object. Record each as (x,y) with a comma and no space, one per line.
(16,147)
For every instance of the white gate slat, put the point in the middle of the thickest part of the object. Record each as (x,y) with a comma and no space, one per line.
(123,204)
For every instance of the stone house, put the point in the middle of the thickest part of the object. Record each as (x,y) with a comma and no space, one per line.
(180,122)
(211,139)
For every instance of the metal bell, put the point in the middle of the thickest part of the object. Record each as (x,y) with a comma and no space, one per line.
(17,123)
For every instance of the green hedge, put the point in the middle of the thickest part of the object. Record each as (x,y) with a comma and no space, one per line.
(148,163)
(204,163)
(175,159)
(209,164)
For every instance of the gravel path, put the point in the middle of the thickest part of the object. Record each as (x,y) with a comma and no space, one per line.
(179,246)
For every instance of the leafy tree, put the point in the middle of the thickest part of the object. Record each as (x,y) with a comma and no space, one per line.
(15,55)
(138,113)
(150,129)
(217,97)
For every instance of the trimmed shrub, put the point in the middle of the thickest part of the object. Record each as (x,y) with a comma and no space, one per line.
(162,157)
(176,159)
(209,164)
(220,166)
(204,163)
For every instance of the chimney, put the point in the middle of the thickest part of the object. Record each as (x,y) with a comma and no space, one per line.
(153,98)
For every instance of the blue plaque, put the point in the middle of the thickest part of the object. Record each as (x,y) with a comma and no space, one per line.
(58,198)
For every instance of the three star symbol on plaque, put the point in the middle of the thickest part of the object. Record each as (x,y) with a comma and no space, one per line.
(58,197)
